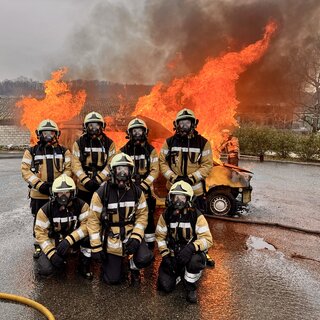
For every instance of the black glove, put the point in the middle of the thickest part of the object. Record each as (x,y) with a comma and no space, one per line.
(63,247)
(92,185)
(185,254)
(131,246)
(57,261)
(45,188)
(98,256)
(167,264)
(184,178)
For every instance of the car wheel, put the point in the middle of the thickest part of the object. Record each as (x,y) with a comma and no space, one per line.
(221,203)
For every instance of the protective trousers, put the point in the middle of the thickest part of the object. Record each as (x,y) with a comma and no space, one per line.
(149,235)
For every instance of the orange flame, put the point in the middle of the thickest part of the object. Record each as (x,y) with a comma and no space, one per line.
(59,104)
(211,93)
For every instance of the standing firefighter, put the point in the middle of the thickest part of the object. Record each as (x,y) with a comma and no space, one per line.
(183,238)
(92,153)
(230,146)
(117,220)
(41,164)
(146,169)
(60,225)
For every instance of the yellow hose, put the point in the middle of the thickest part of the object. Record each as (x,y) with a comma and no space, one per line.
(28,302)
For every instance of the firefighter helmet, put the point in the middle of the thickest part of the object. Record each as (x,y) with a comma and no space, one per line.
(225,131)
(180,195)
(47,125)
(94,117)
(121,169)
(185,114)
(63,184)
(137,123)
(182,187)
(121,159)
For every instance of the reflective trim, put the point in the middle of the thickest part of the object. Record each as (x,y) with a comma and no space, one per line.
(138,157)
(79,173)
(116,245)
(151,178)
(80,233)
(83,215)
(168,173)
(67,159)
(142,205)
(86,149)
(161,243)
(96,208)
(48,156)
(139,226)
(105,172)
(85,251)
(205,243)
(149,237)
(128,204)
(65,219)
(95,236)
(26,160)
(76,153)
(153,160)
(184,149)
(164,151)
(206,153)
(192,277)
(112,205)
(45,244)
(32,178)
(197,186)
(42,224)
(202,229)
(184,225)
(132,265)
(198,174)
(162,229)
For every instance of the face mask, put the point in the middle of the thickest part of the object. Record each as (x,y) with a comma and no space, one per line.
(122,174)
(94,129)
(47,136)
(138,135)
(184,127)
(63,199)
(179,201)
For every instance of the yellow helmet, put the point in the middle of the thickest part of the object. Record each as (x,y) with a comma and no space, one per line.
(94,117)
(63,184)
(181,187)
(47,125)
(225,131)
(185,114)
(121,159)
(137,123)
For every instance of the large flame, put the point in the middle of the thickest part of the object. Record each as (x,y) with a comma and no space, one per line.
(59,104)
(211,93)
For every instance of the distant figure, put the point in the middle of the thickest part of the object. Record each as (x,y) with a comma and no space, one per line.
(230,146)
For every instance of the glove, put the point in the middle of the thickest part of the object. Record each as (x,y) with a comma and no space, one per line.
(131,246)
(185,254)
(63,247)
(167,264)
(185,179)
(57,261)
(45,188)
(92,185)
(98,256)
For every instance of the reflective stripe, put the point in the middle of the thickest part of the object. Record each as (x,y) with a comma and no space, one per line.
(142,205)
(198,174)
(132,265)
(184,149)
(115,245)
(79,173)
(197,186)
(164,151)
(149,237)
(67,159)
(161,243)
(86,252)
(192,277)
(206,152)
(202,229)
(94,236)
(26,160)
(112,205)
(80,233)
(65,219)
(83,215)
(76,153)
(105,172)
(151,178)
(86,149)
(32,178)
(162,229)
(153,160)
(184,225)
(48,156)
(128,204)
(139,226)
(168,173)
(95,208)
(42,224)
(138,157)
(205,243)
(45,244)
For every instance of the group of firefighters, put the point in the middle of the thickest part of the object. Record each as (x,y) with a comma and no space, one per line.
(107,215)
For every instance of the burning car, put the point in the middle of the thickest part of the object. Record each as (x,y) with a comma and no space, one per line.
(228,189)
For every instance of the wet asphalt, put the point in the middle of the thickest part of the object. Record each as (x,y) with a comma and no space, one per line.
(245,284)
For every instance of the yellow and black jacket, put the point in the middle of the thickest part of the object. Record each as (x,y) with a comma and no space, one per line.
(116,216)
(44,164)
(230,147)
(174,231)
(146,162)
(189,156)
(53,224)
(91,158)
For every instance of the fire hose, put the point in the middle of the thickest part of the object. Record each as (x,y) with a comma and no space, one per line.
(31,303)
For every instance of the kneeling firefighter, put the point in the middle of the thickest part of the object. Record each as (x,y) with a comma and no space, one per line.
(117,220)
(61,224)
(183,238)
(146,169)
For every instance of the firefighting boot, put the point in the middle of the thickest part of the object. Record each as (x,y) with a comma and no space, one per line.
(192,296)
(210,261)
(37,251)
(135,277)
(84,267)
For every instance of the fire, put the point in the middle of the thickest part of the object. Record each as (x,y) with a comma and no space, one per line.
(210,93)
(59,104)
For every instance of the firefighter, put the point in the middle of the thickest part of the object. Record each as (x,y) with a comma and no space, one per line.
(60,225)
(230,146)
(117,220)
(92,154)
(41,164)
(183,238)
(146,169)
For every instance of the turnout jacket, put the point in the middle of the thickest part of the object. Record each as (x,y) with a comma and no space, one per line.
(115,216)
(91,158)
(230,147)
(54,223)
(189,156)
(44,164)
(146,162)
(174,231)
